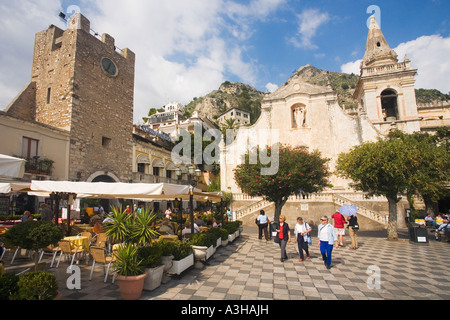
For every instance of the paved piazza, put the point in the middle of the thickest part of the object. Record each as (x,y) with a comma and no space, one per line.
(250,269)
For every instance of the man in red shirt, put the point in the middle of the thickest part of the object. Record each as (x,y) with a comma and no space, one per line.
(339,221)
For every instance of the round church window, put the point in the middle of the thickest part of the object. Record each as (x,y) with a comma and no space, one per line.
(109,66)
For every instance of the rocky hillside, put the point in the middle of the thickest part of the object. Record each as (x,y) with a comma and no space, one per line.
(245,97)
(229,95)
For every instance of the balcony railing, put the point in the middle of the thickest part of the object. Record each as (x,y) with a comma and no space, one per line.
(149,178)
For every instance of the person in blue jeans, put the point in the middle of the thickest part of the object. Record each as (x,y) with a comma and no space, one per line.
(327,237)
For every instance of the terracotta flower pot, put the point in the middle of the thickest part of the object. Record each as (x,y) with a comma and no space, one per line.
(131,287)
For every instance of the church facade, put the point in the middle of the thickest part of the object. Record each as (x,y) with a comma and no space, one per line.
(304,113)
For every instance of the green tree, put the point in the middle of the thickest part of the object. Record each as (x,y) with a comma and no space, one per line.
(33,235)
(298,171)
(399,164)
(429,167)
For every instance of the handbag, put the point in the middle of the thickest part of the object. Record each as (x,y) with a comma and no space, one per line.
(308,236)
(276,239)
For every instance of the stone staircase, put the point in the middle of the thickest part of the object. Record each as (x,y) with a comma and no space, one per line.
(338,199)
(371,214)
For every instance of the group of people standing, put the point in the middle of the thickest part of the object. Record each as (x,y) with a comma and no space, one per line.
(329,236)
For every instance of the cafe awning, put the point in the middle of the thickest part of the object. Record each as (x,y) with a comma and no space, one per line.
(133,191)
(11,167)
(14,187)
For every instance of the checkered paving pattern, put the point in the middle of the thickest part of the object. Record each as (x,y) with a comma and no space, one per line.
(250,269)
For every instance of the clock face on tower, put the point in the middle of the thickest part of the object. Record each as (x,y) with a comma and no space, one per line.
(109,66)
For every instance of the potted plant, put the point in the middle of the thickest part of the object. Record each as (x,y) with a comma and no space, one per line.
(203,245)
(9,285)
(130,272)
(152,264)
(224,237)
(34,236)
(131,229)
(215,234)
(183,257)
(38,285)
(167,256)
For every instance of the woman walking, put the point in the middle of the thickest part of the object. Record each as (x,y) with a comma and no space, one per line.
(353,228)
(283,236)
(301,232)
(263,223)
(327,236)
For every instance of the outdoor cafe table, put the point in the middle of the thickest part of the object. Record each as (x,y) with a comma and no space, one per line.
(167,237)
(79,240)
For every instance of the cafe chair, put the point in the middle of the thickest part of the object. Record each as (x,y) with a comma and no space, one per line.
(68,251)
(99,256)
(99,240)
(51,249)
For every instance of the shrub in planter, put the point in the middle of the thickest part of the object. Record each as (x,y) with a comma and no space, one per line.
(181,250)
(231,227)
(38,285)
(167,247)
(9,285)
(223,234)
(215,233)
(202,240)
(150,256)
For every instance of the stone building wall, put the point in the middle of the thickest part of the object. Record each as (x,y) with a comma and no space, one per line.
(75,93)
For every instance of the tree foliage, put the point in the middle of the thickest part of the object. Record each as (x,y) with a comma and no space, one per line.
(298,171)
(402,163)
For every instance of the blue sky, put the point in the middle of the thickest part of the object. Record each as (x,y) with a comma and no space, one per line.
(187,48)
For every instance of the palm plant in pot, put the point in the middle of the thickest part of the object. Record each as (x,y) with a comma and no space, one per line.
(130,271)
(129,233)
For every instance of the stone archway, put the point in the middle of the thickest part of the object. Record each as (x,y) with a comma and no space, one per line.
(389,105)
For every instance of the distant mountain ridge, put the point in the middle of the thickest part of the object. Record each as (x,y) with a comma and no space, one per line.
(242,96)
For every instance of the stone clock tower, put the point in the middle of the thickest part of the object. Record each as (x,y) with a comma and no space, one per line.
(82,84)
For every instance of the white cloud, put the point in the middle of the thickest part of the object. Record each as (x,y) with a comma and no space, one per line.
(19,22)
(352,67)
(309,22)
(428,54)
(183,48)
(271,87)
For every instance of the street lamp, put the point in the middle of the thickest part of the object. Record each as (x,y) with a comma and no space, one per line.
(193,175)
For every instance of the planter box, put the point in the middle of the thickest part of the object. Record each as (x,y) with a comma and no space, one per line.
(231,237)
(178,266)
(199,252)
(224,243)
(209,252)
(219,242)
(236,234)
(154,278)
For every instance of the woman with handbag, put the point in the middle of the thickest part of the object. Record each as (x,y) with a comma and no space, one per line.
(283,236)
(301,232)
(353,228)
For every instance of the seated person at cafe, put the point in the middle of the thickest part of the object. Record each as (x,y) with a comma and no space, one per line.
(26,215)
(188,228)
(429,220)
(98,227)
(94,219)
(443,229)
(85,218)
(166,228)
(199,221)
